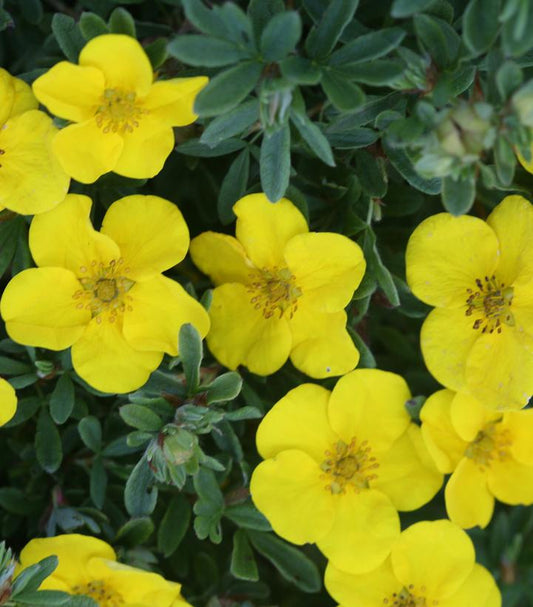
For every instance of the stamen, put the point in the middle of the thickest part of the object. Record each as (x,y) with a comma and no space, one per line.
(101,593)
(492,443)
(349,465)
(491,304)
(407,597)
(119,112)
(274,292)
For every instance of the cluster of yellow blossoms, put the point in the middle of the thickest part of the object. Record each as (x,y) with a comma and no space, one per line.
(339,465)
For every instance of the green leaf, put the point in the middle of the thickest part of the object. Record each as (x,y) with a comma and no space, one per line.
(247,516)
(314,137)
(62,399)
(10,366)
(438,38)
(140,496)
(98,482)
(227,89)
(233,186)
(281,35)
(44,598)
(243,413)
(350,139)
(48,449)
(201,150)
(377,269)
(262,11)
(231,124)
(225,387)
(366,358)
(68,36)
(191,354)
(372,174)
(382,72)
(13,500)
(300,70)
(243,565)
(157,52)
(32,10)
(481,24)
(509,78)
(323,37)
(173,526)
(121,22)
(205,20)
(505,159)
(344,95)
(10,233)
(209,506)
(406,8)
(135,531)
(91,433)
(368,47)
(458,195)
(516,31)
(293,565)
(26,408)
(204,51)
(141,417)
(275,162)
(30,578)
(403,164)
(92,25)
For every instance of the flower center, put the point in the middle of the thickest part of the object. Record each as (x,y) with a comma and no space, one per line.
(2,152)
(118,111)
(407,598)
(491,304)
(274,292)
(104,290)
(102,594)
(492,443)
(349,465)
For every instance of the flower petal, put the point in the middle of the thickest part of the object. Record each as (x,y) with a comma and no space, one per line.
(31,178)
(8,398)
(478,589)
(85,152)
(322,347)
(262,344)
(364,397)
(105,360)
(520,425)
(468,416)
(441,438)
(298,421)
(64,237)
(122,60)
(512,221)
(150,231)
(70,91)
(221,257)
(364,529)
(24,99)
(288,490)
(438,555)
(500,369)
(511,482)
(159,307)
(326,267)
(446,340)
(367,590)
(39,308)
(468,499)
(264,228)
(446,254)
(172,100)
(406,473)
(7,94)
(145,149)
(74,552)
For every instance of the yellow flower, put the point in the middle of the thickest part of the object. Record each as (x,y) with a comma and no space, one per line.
(103,292)
(281,291)
(340,464)
(432,564)
(8,400)
(488,454)
(479,277)
(88,566)
(122,119)
(31,178)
